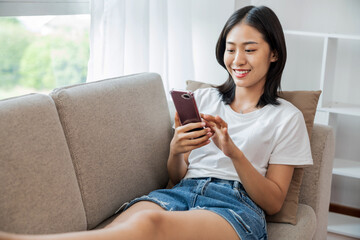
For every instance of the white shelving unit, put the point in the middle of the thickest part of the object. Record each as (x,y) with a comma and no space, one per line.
(344,225)
(342,108)
(346,168)
(328,66)
(331,107)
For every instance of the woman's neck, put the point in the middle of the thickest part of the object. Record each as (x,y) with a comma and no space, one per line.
(246,100)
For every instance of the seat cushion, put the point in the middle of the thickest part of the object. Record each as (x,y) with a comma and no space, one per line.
(39,192)
(118,131)
(304,228)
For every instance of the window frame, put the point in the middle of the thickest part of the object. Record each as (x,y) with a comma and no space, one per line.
(14,8)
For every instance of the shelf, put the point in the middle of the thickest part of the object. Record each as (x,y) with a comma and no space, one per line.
(342,108)
(328,35)
(346,168)
(344,225)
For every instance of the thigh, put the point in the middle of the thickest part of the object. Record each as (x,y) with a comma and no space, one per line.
(137,207)
(195,224)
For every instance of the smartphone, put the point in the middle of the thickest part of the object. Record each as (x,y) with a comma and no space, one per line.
(186,108)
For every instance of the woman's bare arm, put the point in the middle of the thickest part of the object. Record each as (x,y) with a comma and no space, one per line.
(268,192)
(183,142)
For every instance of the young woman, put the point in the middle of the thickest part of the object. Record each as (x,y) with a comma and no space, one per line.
(241,164)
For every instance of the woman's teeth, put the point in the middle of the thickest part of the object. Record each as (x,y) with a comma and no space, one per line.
(241,72)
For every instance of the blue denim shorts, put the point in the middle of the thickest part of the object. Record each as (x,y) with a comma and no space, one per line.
(223,197)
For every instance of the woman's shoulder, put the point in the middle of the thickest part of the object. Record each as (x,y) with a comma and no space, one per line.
(285,110)
(206,97)
(206,91)
(210,92)
(287,106)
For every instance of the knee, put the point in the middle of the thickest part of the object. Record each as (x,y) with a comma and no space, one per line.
(149,223)
(149,217)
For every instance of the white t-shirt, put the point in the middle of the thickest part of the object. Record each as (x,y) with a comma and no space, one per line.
(270,135)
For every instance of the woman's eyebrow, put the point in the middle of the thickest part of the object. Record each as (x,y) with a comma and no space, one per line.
(244,43)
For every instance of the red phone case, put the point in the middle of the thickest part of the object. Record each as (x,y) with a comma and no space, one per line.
(185,105)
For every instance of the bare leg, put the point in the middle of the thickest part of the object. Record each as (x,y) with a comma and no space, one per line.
(137,207)
(103,234)
(196,224)
(153,224)
(191,225)
(121,230)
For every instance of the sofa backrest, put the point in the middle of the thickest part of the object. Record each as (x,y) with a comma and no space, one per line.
(39,192)
(118,132)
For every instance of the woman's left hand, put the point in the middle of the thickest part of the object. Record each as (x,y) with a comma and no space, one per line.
(221,136)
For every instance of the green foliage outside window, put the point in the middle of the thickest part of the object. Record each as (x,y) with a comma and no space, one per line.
(41,62)
(13,42)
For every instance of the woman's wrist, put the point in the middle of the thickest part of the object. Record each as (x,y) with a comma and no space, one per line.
(175,154)
(177,167)
(236,155)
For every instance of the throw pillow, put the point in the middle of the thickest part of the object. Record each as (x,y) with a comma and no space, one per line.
(306,102)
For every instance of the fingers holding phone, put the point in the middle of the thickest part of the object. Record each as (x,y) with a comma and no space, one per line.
(190,130)
(186,138)
(194,130)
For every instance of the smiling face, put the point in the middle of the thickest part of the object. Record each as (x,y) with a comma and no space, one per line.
(247,56)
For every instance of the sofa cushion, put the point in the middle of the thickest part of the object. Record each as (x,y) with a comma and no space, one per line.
(306,102)
(39,192)
(118,131)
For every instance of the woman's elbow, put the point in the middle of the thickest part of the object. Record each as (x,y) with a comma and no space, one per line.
(274,208)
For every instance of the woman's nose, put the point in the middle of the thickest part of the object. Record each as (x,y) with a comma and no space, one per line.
(239,59)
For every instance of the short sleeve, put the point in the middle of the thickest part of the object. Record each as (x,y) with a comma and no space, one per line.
(199,95)
(292,145)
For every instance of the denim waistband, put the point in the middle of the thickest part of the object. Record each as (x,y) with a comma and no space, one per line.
(233,183)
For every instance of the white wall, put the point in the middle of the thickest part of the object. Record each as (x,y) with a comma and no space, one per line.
(304,54)
(332,16)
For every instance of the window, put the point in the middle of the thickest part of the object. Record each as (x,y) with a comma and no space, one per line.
(41,52)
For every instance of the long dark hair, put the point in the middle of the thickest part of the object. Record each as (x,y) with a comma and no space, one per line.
(266,22)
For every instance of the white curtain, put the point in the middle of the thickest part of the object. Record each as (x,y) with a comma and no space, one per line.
(175,38)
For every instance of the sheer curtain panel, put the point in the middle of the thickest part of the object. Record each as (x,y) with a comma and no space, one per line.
(175,38)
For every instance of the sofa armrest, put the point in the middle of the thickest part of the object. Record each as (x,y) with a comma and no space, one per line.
(304,228)
(316,185)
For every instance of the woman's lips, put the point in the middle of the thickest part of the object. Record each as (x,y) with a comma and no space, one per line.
(240,73)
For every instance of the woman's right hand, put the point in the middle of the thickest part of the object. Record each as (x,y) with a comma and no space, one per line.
(185,141)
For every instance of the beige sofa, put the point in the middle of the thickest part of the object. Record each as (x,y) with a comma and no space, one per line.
(70,159)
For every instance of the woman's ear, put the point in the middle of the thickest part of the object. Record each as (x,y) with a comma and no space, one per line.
(274,56)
